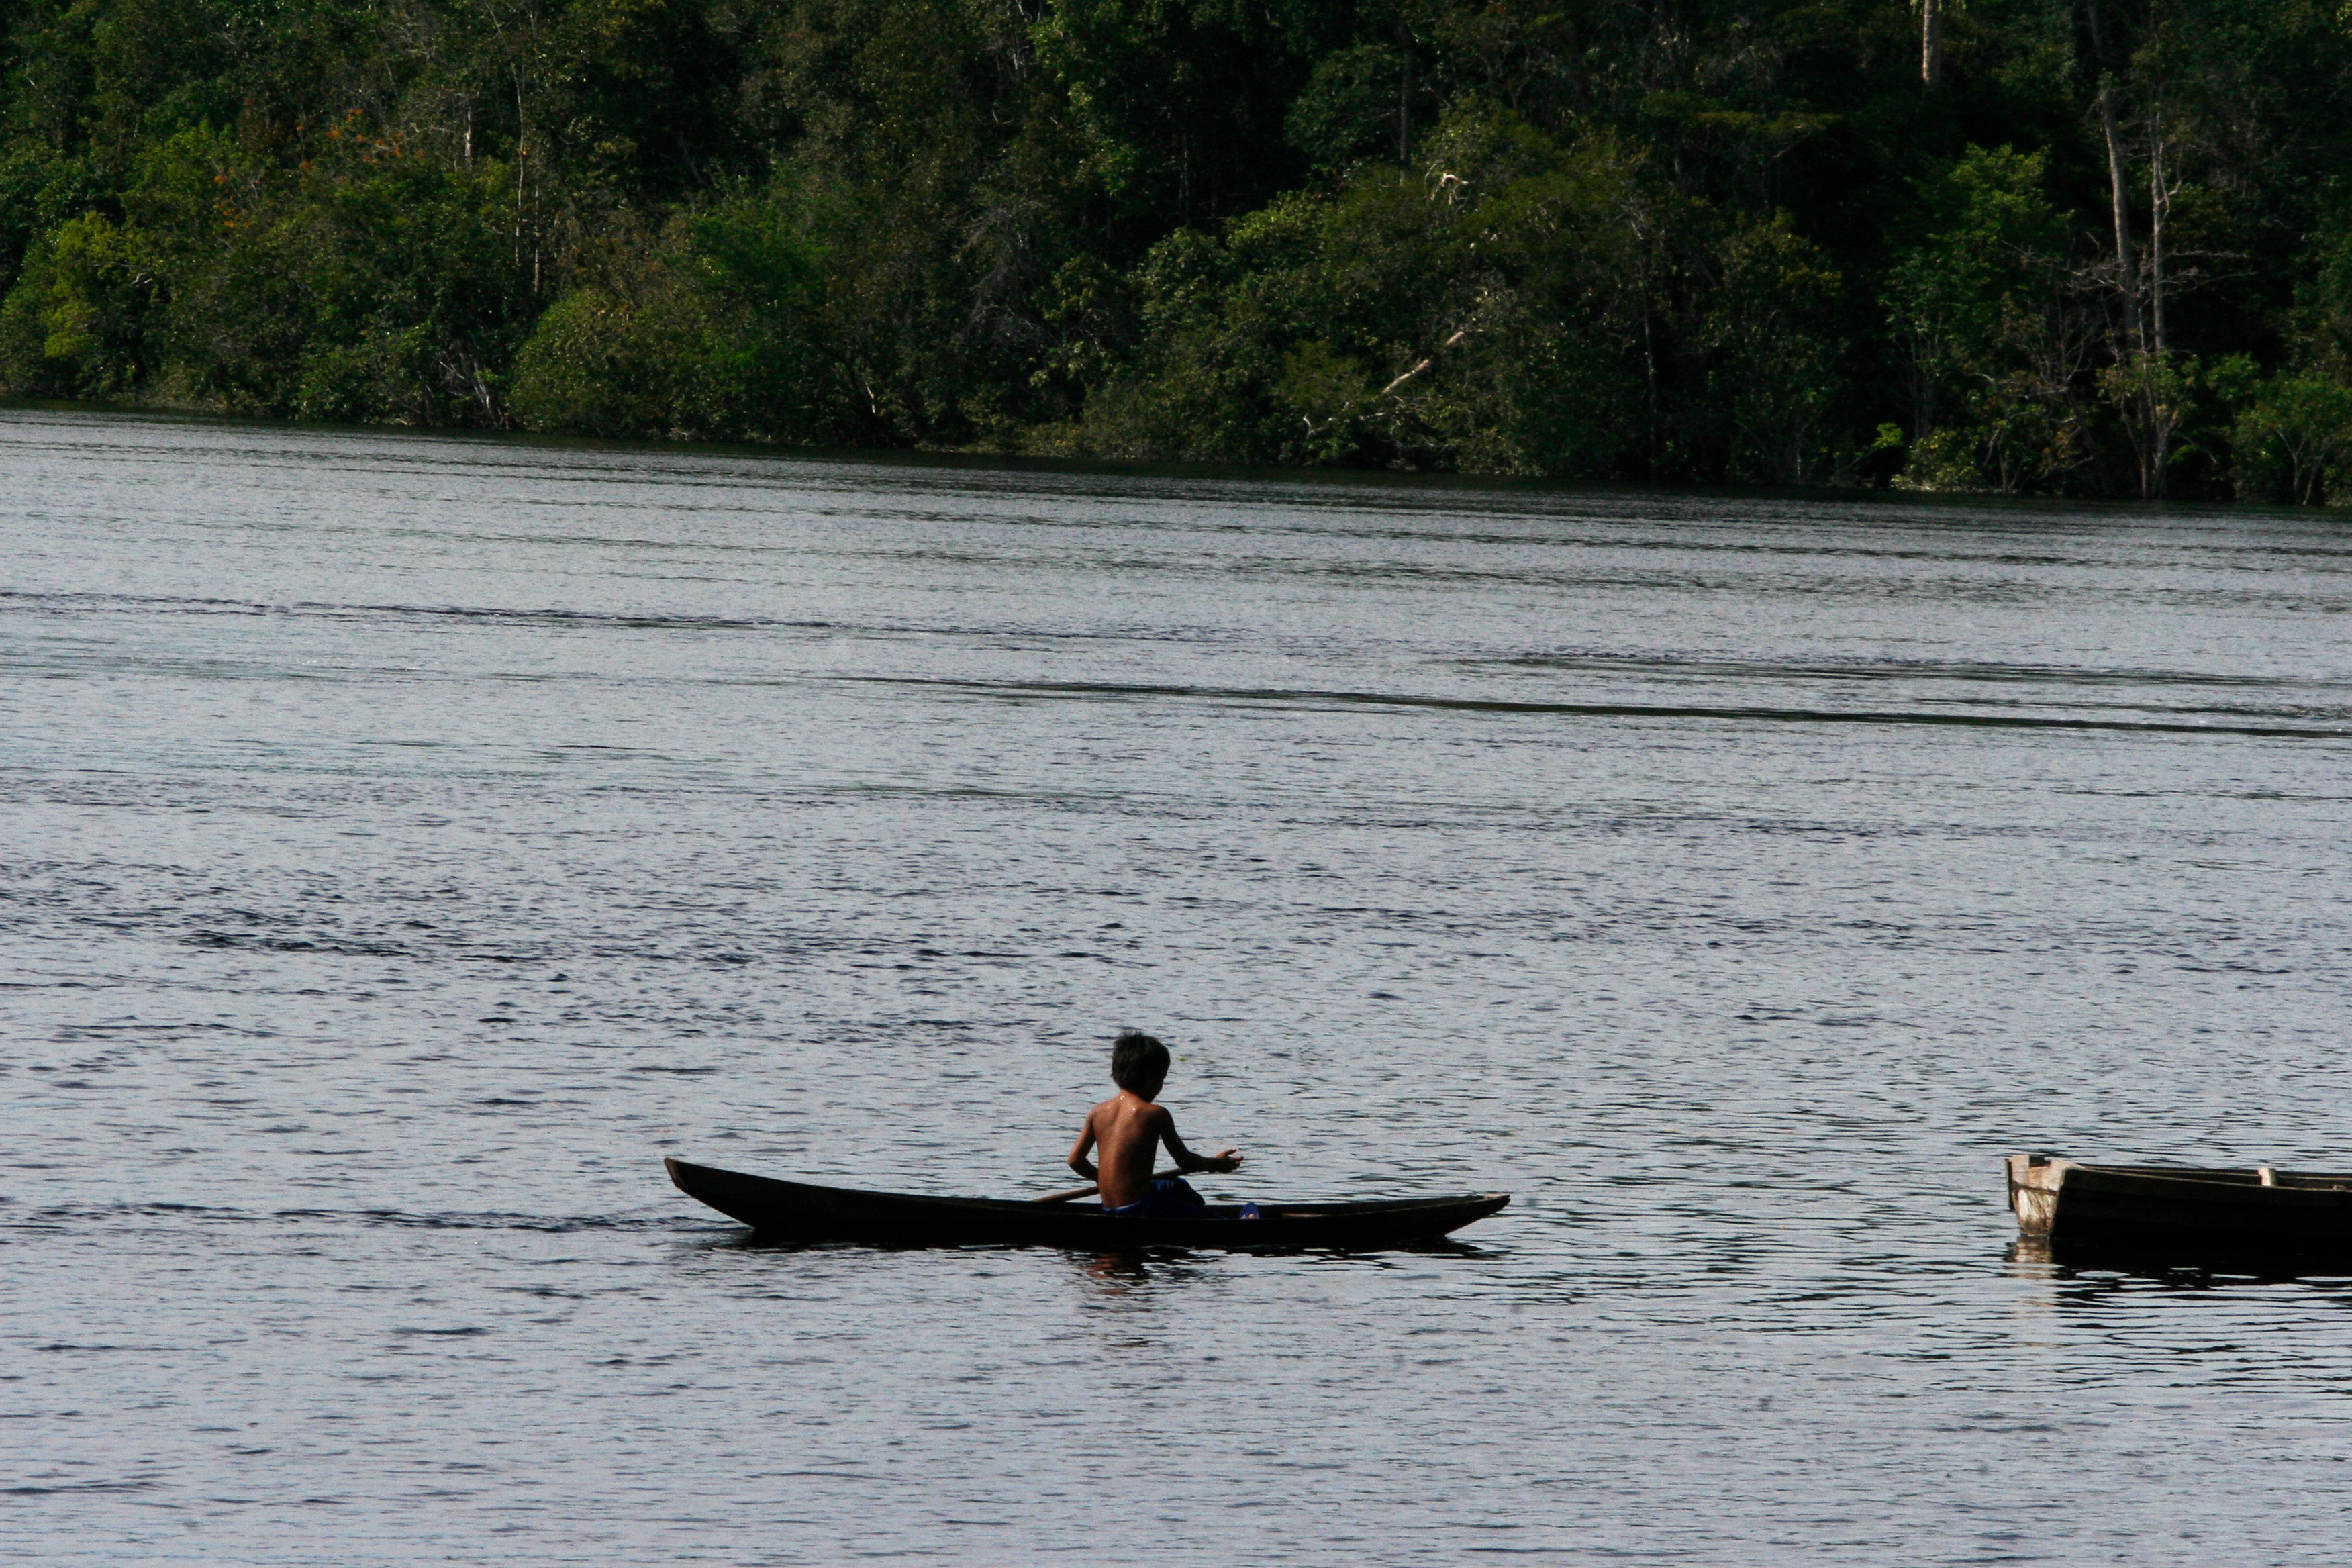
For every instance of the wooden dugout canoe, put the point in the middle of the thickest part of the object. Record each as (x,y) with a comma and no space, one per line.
(796,1211)
(2183,1212)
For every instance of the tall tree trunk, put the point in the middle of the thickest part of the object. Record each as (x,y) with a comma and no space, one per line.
(2127,273)
(2162,412)
(522,156)
(1404,91)
(2137,392)
(2159,206)
(1931,41)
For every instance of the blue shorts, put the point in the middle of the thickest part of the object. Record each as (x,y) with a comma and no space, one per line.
(1170,1198)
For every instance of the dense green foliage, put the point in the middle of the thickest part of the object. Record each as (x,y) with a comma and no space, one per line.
(2091,247)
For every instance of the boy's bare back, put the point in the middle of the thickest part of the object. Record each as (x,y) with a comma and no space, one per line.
(1128,1131)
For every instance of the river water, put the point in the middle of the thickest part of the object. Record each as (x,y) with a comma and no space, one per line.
(406,841)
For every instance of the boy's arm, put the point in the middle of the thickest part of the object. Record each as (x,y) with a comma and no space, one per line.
(1079,1150)
(1228,1160)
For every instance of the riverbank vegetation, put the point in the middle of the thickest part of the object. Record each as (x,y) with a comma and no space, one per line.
(2074,247)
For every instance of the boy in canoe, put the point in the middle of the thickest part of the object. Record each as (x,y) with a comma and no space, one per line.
(1130,1129)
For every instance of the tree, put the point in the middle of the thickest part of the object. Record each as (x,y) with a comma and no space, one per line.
(1775,370)
(2293,440)
(1968,302)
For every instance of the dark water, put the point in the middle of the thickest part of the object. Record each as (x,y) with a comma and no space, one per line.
(406,841)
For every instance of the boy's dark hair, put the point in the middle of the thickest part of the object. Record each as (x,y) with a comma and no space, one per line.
(1136,1059)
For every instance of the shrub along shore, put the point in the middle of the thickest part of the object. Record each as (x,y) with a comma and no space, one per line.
(2055,247)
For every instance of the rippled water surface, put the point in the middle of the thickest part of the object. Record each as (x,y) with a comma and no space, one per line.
(403,842)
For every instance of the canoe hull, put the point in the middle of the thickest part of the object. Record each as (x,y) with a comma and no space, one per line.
(2183,1212)
(799,1212)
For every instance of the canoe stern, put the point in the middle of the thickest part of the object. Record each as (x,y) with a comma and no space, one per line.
(2034,1181)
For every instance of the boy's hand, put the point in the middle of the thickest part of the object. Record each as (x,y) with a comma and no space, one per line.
(1225,1160)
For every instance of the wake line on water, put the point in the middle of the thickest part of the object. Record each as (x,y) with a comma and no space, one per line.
(51,1215)
(620,619)
(1898,669)
(1272,695)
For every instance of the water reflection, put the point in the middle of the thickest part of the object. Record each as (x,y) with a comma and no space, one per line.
(1117,1273)
(2093,1273)
(1143,1276)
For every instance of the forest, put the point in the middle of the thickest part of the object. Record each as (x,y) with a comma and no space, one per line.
(2084,247)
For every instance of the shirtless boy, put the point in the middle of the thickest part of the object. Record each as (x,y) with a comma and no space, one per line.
(1131,1128)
